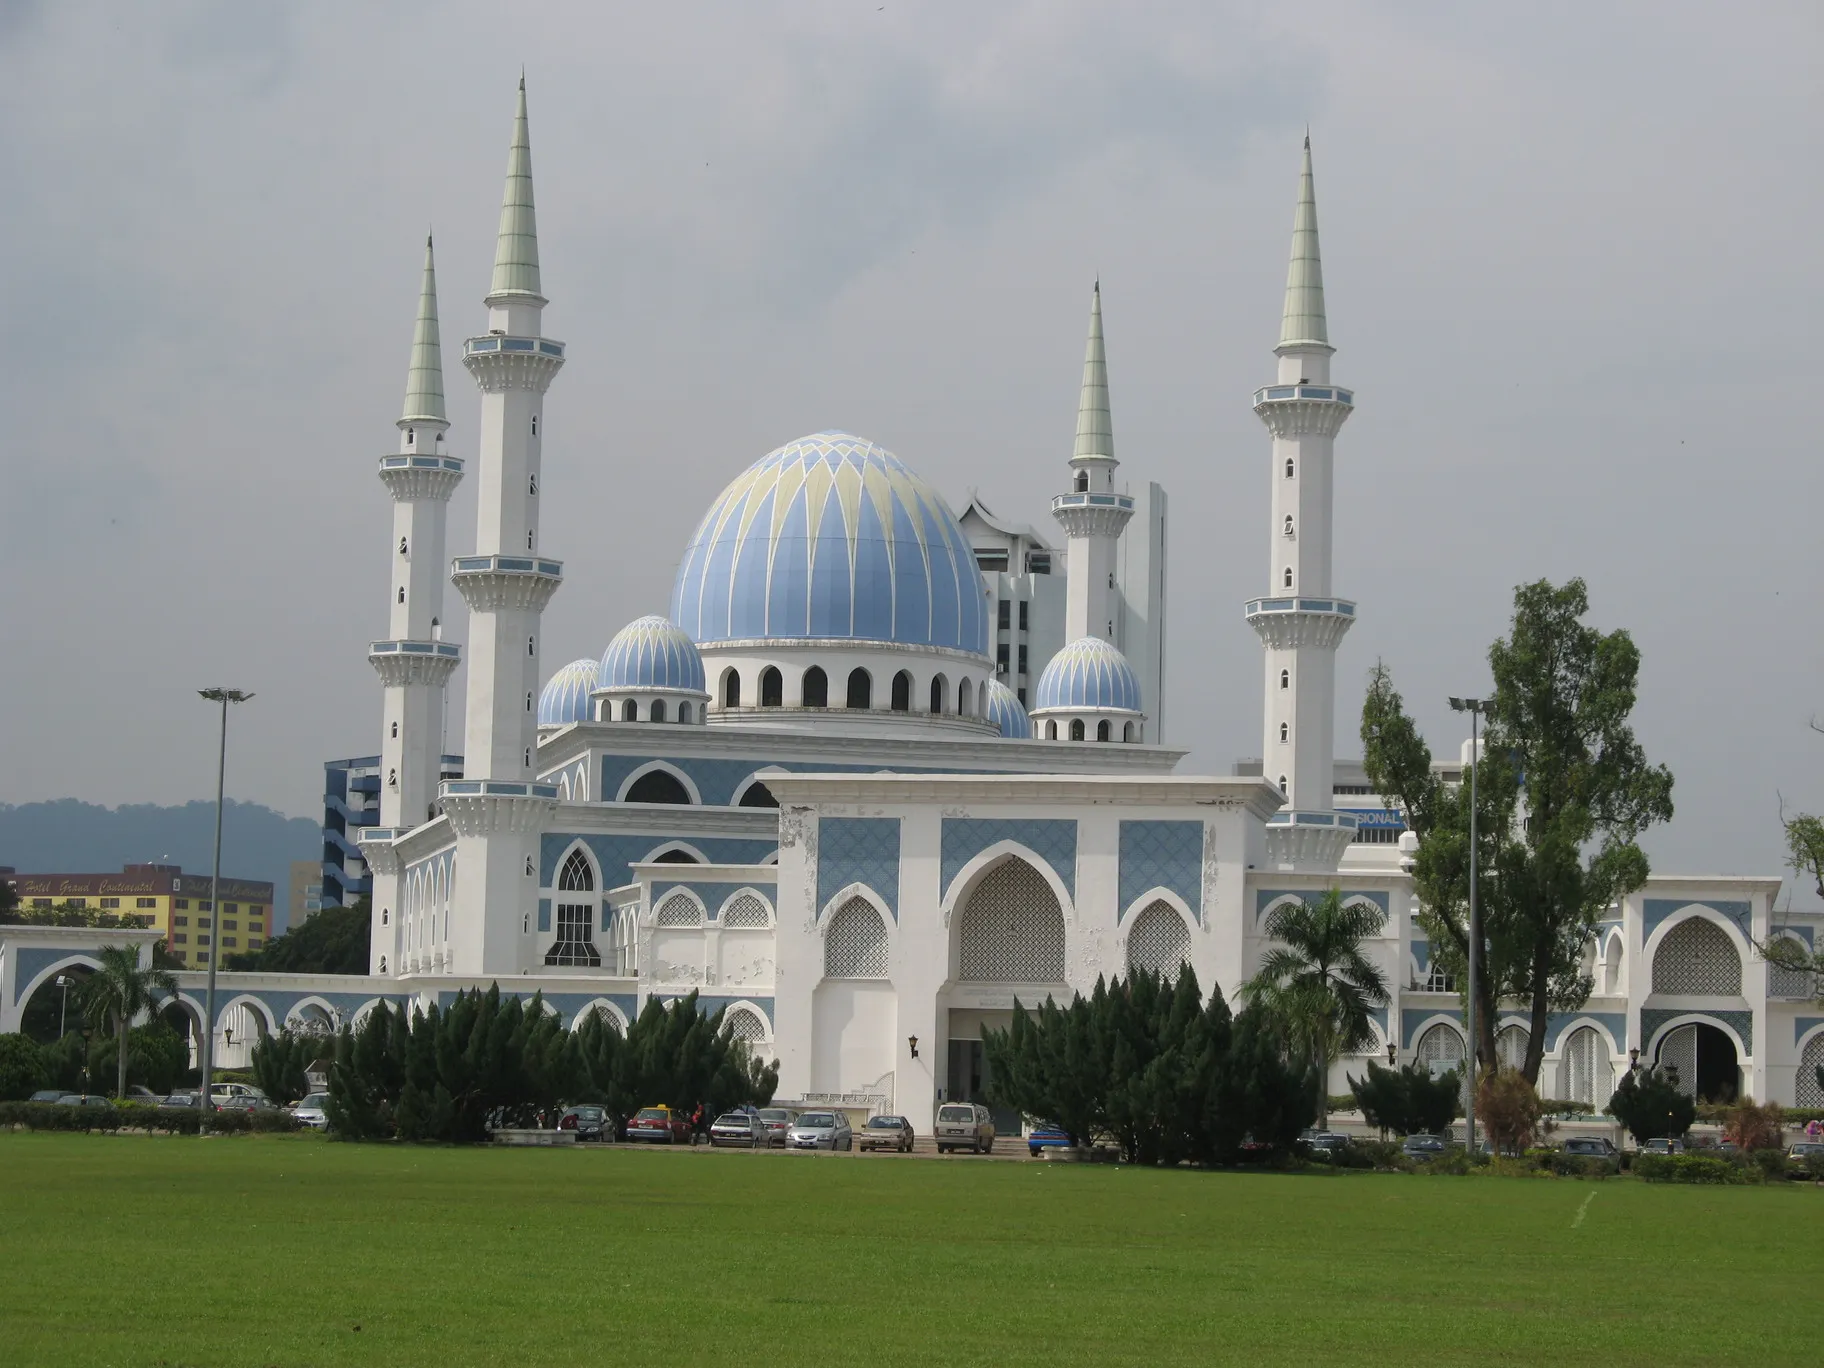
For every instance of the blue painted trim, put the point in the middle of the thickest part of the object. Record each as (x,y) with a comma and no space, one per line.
(1161,854)
(1656,910)
(1053,840)
(858,850)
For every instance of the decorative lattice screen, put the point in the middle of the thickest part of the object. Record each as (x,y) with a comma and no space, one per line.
(744,1025)
(1810,1086)
(1441,1049)
(1159,940)
(1012,929)
(1698,957)
(1679,1050)
(747,910)
(1791,983)
(1584,1070)
(574,944)
(576,876)
(1437,981)
(680,909)
(855,943)
(1510,1047)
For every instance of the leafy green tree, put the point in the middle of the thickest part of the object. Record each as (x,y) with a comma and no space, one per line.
(1565,792)
(118,992)
(1408,1100)
(335,940)
(279,1062)
(1318,984)
(1650,1106)
(23,1067)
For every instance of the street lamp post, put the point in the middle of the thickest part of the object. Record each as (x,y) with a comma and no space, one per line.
(224,697)
(63,1010)
(1477,708)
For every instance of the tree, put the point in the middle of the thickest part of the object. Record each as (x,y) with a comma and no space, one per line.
(1509,1107)
(1650,1106)
(1754,1126)
(279,1062)
(1408,1100)
(335,940)
(1317,982)
(1565,792)
(23,1067)
(118,992)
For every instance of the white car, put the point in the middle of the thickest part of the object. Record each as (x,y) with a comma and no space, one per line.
(309,1111)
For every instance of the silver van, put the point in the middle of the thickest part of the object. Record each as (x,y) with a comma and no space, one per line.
(964,1125)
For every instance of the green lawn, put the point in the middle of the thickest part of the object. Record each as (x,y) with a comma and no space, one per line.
(280,1250)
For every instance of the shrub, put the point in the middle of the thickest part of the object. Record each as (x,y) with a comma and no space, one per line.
(1753,1126)
(1685,1168)
(23,1067)
(1508,1106)
(1582,1165)
(1812,1166)
(1407,1100)
(1770,1162)
(1650,1107)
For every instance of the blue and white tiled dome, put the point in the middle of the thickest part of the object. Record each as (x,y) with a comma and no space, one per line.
(1005,712)
(833,538)
(651,653)
(566,695)
(1088,674)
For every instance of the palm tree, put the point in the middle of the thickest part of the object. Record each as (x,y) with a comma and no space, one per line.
(1317,982)
(119,991)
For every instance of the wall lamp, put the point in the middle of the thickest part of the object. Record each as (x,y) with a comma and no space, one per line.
(912,1042)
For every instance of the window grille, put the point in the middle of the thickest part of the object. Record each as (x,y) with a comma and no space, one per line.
(745,1025)
(1437,981)
(1159,940)
(746,911)
(680,909)
(1585,1070)
(576,876)
(1697,957)
(855,943)
(1810,1092)
(1679,1051)
(1510,1047)
(1441,1049)
(574,945)
(1791,983)
(1012,929)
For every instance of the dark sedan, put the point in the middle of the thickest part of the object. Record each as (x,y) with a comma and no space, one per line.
(589,1123)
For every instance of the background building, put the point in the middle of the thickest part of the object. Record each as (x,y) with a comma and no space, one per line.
(165,899)
(305,892)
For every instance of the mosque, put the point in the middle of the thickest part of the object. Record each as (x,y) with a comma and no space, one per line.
(878,770)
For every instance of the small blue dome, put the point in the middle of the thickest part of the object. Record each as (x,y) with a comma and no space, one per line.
(566,696)
(831,538)
(1005,712)
(651,653)
(1089,674)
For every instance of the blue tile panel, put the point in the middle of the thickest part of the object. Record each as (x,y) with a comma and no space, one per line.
(1421,955)
(1162,855)
(1556,1024)
(718,781)
(567,1004)
(1652,1018)
(1801,1025)
(713,894)
(1656,910)
(1053,840)
(544,913)
(1412,1019)
(615,854)
(710,1004)
(1804,933)
(863,850)
(1265,897)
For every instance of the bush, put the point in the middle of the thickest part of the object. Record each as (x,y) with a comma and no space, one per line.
(1686,1168)
(23,1067)
(1582,1165)
(1508,1106)
(1753,1127)
(1407,1100)
(1770,1163)
(1811,1166)
(1650,1107)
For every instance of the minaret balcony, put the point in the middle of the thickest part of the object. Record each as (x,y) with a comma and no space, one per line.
(1308,842)
(1283,623)
(408,477)
(486,807)
(1087,514)
(1303,410)
(501,362)
(400,663)
(500,583)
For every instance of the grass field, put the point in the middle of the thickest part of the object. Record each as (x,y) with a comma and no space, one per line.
(282,1250)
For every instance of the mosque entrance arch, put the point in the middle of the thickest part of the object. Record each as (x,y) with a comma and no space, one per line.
(1705,1060)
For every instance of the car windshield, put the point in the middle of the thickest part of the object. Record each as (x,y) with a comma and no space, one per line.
(955,1114)
(653,1114)
(315,1100)
(589,1113)
(885,1123)
(733,1119)
(775,1114)
(817,1121)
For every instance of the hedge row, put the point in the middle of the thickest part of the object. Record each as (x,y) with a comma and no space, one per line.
(51,1116)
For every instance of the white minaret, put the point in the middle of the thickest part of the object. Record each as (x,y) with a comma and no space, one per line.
(1301,621)
(1092,514)
(495,808)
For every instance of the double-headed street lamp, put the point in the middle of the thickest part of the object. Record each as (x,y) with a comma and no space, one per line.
(1477,708)
(224,697)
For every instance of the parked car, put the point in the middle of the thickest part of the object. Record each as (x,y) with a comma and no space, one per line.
(222,1093)
(820,1130)
(589,1122)
(659,1126)
(744,1128)
(183,1099)
(1663,1145)
(1044,1135)
(1591,1147)
(243,1104)
(1423,1149)
(777,1120)
(886,1132)
(1804,1149)
(964,1125)
(49,1095)
(310,1111)
(1328,1144)
(144,1097)
(84,1100)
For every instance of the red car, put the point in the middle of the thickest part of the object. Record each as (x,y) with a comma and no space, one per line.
(660,1126)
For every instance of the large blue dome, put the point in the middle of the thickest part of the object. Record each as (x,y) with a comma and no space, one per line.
(651,653)
(1005,712)
(831,537)
(565,698)
(1089,674)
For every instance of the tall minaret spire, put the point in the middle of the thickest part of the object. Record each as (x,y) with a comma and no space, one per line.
(1301,622)
(415,663)
(496,808)
(1092,513)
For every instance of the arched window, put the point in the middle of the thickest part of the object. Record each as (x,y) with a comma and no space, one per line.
(675,857)
(535,425)
(940,694)
(745,1026)
(402,593)
(1584,1072)
(1291,468)
(815,688)
(1285,679)
(1810,1090)
(630,711)
(902,692)
(411,437)
(861,688)
(1791,983)
(745,912)
(684,713)
(402,546)
(965,698)
(658,710)
(1697,957)
(1285,732)
(731,689)
(1102,730)
(1051,731)
(855,942)
(531,646)
(1440,1049)
(1510,1047)
(1288,577)
(395,730)
(576,876)
(528,700)
(658,786)
(1288,524)
(1012,929)
(1284,788)
(1158,940)
(1082,482)
(757,795)
(772,688)
(1076,729)
(679,909)
(1127,733)
(1614,961)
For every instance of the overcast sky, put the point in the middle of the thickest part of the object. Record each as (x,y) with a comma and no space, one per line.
(1570,253)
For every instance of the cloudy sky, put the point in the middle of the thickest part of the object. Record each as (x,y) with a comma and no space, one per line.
(1570,255)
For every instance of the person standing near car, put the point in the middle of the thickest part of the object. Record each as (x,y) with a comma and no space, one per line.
(699,1126)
